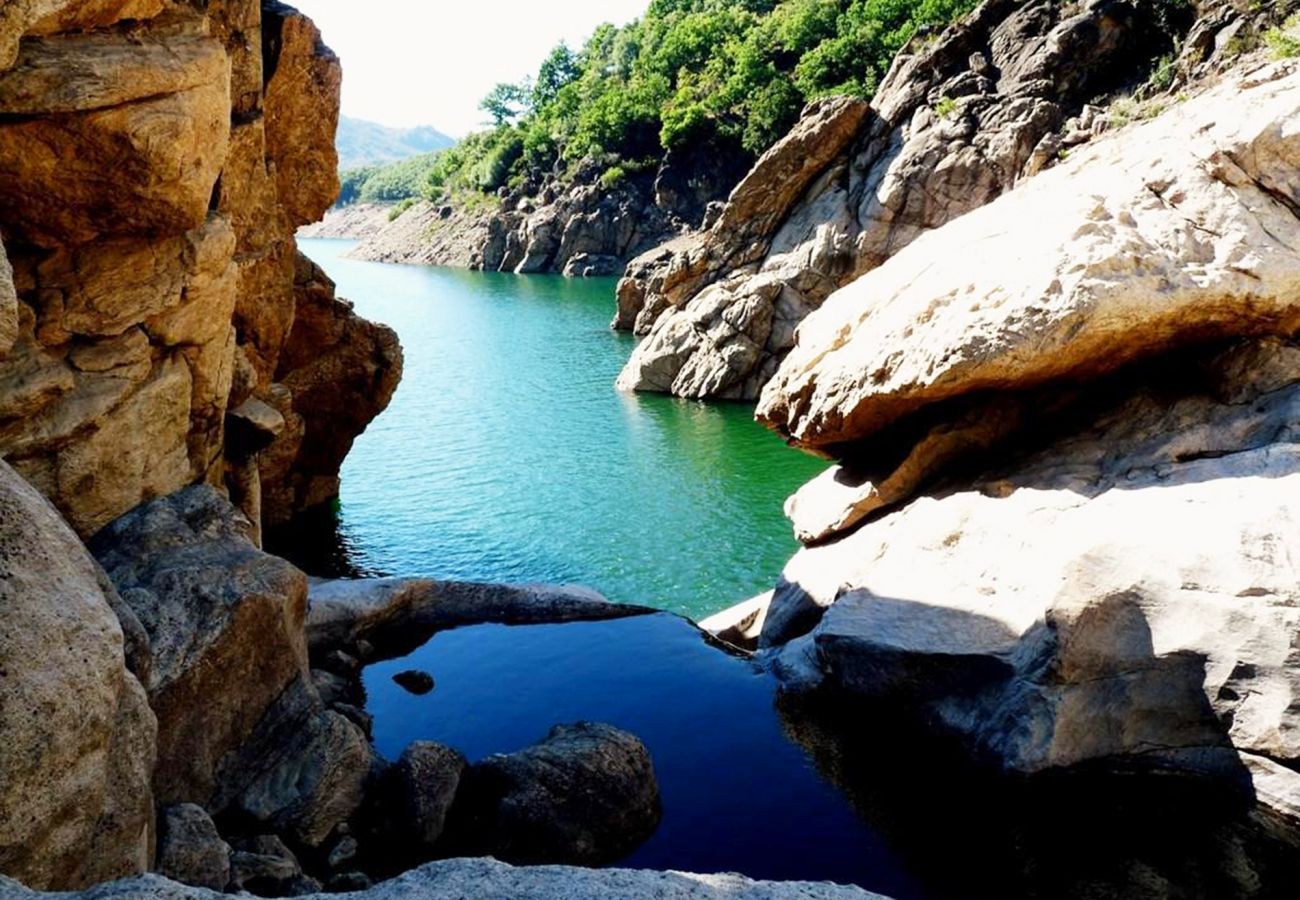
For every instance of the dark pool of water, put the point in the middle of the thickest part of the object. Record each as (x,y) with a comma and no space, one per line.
(737,794)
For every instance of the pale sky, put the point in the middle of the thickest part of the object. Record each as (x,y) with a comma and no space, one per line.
(429,62)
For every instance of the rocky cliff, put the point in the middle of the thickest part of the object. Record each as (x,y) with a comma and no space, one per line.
(1061,529)
(571,223)
(155,159)
(961,118)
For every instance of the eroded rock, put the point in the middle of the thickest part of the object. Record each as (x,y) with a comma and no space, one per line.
(190,850)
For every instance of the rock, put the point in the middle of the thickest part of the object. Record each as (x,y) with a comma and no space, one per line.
(415,682)
(849,188)
(397,615)
(411,801)
(251,427)
(302,772)
(190,850)
(349,882)
(344,852)
(587,795)
(78,110)
(1149,248)
(340,371)
(78,736)
(266,867)
(8,305)
(225,624)
(1145,626)
(460,878)
(19,17)
(742,624)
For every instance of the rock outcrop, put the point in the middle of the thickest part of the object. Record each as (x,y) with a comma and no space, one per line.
(486,878)
(578,225)
(155,159)
(78,736)
(1063,523)
(958,121)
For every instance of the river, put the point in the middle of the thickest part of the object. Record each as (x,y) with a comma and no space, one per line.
(507,455)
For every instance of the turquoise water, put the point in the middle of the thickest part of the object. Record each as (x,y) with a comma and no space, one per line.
(507,455)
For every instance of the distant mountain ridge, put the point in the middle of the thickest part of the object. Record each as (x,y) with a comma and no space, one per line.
(363,143)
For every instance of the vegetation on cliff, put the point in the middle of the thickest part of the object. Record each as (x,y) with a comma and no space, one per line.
(689,73)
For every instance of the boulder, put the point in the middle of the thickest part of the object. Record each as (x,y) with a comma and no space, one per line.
(396,615)
(78,736)
(953,125)
(411,801)
(587,795)
(1177,231)
(8,305)
(190,850)
(264,866)
(301,773)
(225,624)
(19,17)
(459,878)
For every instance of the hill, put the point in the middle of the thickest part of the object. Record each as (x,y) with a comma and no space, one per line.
(363,143)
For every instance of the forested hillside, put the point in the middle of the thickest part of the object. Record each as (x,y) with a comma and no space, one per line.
(689,73)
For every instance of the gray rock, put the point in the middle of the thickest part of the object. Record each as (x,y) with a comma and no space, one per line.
(486,879)
(190,850)
(264,866)
(411,801)
(393,616)
(225,627)
(586,795)
(414,681)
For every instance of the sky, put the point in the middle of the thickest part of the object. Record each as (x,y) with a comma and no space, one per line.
(430,62)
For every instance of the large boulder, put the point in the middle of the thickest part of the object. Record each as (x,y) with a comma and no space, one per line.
(78,736)
(225,624)
(411,800)
(585,795)
(955,123)
(1177,231)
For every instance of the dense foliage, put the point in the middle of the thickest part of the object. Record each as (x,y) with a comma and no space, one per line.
(734,72)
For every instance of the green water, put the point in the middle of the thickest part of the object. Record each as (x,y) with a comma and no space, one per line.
(507,455)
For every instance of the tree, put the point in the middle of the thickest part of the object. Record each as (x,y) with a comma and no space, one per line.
(559,69)
(507,102)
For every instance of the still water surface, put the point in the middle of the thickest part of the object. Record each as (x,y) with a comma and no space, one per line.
(507,455)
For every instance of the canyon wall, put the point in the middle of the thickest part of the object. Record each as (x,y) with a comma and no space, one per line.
(156,157)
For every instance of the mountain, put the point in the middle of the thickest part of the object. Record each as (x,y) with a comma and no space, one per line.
(362,143)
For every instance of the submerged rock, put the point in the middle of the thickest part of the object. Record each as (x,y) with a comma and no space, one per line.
(587,795)
(415,682)
(77,737)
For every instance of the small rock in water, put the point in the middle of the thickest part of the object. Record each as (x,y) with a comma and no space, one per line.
(415,681)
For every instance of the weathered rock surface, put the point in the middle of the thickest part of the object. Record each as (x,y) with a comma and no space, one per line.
(355,221)
(492,880)
(225,624)
(411,801)
(955,124)
(1063,527)
(264,866)
(587,795)
(340,372)
(401,613)
(1175,232)
(155,159)
(77,732)
(190,850)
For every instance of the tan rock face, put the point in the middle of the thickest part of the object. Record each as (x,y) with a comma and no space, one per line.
(75,800)
(956,123)
(153,167)
(1174,232)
